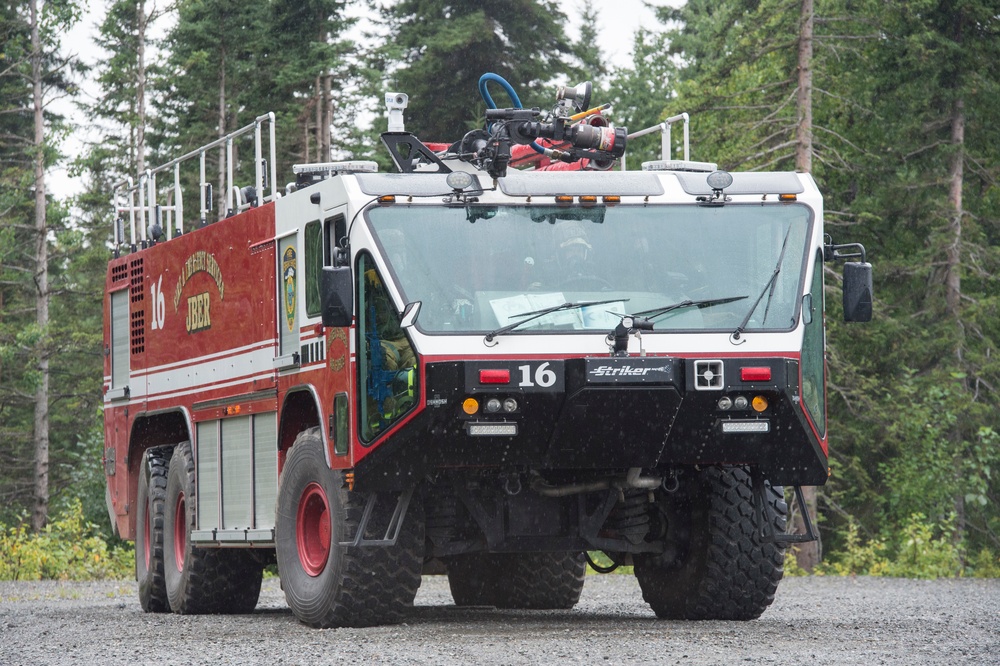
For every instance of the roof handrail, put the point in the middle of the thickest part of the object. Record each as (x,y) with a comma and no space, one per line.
(149,210)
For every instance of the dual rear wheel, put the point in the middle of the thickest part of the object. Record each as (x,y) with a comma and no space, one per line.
(172,573)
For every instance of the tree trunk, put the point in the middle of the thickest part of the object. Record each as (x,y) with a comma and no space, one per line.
(40,508)
(327,117)
(808,554)
(803,138)
(953,278)
(140,88)
(319,119)
(222,132)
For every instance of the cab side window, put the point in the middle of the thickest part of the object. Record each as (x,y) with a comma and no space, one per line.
(388,365)
(813,353)
(313,265)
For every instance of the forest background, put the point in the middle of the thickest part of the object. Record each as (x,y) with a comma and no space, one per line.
(894,107)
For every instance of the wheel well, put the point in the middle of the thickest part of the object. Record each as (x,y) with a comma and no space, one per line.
(299,412)
(163,429)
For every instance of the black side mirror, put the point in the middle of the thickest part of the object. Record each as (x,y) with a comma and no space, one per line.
(336,295)
(857,291)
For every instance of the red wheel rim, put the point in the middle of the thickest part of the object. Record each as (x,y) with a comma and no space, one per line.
(180,531)
(312,529)
(145,537)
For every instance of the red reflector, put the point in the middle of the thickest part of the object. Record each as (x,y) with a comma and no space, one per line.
(755,374)
(494,376)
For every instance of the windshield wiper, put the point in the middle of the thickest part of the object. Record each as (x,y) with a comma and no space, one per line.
(768,289)
(706,303)
(535,314)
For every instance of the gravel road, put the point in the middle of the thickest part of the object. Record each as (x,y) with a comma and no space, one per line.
(813,621)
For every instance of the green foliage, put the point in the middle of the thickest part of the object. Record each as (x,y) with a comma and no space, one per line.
(919,549)
(985,564)
(69,548)
(926,552)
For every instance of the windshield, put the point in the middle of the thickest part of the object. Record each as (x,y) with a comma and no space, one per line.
(482,268)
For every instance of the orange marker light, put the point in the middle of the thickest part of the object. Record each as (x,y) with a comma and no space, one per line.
(759,403)
(470,406)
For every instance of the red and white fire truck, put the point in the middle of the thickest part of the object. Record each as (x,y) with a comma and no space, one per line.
(469,368)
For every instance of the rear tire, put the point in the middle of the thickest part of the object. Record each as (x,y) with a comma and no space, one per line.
(149,530)
(517,580)
(716,567)
(327,584)
(202,580)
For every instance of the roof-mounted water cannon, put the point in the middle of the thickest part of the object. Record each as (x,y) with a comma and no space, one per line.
(570,124)
(520,126)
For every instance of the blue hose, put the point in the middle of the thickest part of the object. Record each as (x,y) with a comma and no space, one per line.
(490,76)
(509,89)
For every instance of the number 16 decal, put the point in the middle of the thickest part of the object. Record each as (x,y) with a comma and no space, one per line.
(543,376)
(159,305)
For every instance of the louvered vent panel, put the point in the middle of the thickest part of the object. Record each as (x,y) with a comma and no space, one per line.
(135,284)
(119,273)
(138,331)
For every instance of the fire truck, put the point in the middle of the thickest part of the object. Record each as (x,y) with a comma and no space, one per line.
(508,358)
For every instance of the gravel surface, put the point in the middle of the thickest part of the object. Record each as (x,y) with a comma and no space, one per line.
(813,621)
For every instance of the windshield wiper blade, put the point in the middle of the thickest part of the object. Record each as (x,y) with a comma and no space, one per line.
(768,289)
(535,314)
(706,303)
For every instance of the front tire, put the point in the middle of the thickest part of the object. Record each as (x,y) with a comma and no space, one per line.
(202,580)
(149,530)
(716,567)
(328,584)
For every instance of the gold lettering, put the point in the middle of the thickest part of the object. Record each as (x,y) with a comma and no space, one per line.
(199,315)
(200,261)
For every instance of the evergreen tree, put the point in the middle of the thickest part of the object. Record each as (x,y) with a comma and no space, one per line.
(642,95)
(437,50)
(930,194)
(33,73)
(895,98)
